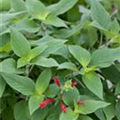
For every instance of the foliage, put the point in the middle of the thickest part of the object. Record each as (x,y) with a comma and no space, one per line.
(60,60)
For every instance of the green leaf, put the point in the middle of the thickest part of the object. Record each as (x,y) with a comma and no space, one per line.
(43,81)
(35,52)
(63,51)
(81,117)
(9,112)
(22,84)
(100,114)
(2,86)
(10,66)
(37,9)
(18,5)
(52,91)
(44,62)
(66,33)
(21,111)
(109,112)
(114,26)
(55,21)
(68,65)
(93,83)
(53,117)
(99,14)
(69,97)
(19,43)
(69,115)
(5,5)
(114,77)
(39,114)
(27,25)
(81,54)
(34,102)
(6,17)
(90,106)
(62,6)
(22,62)
(118,110)
(52,44)
(105,57)
(117,89)
(32,54)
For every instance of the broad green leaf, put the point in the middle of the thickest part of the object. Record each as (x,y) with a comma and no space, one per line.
(100,114)
(21,111)
(52,91)
(52,44)
(81,117)
(62,6)
(109,112)
(99,14)
(105,57)
(2,86)
(90,106)
(34,102)
(63,51)
(6,48)
(114,77)
(69,97)
(43,81)
(73,15)
(10,66)
(118,110)
(80,54)
(39,114)
(97,25)
(5,5)
(44,62)
(68,65)
(7,113)
(66,33)
(32,54)
(117,89)
(118,67)
(22,84)
(18,5)
(19,43)
(35,52)
(91,36)
(114,26)
(93,83)
(6,17)
(53,117)
(37,9)
(69,115)
(55,21)
(27,25)
(2,105)
(22,62)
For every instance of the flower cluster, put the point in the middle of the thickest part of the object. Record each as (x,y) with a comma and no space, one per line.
(62,105)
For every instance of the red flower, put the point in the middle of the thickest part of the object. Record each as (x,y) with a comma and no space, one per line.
(63,107)
(81,102)
(57,81)
(46,102)
(74,83)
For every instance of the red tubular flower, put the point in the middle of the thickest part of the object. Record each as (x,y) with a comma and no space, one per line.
(81,102)
(63,107)
(46,102)
(57,81)
(74,83)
